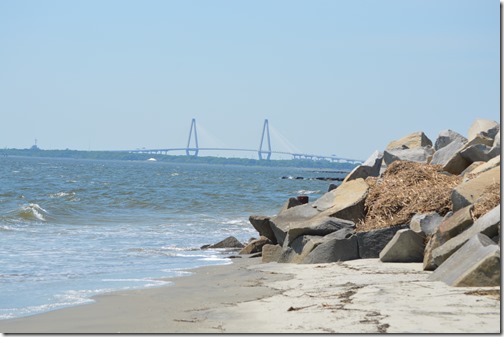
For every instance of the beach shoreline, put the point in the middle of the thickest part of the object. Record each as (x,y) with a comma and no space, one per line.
(248,296)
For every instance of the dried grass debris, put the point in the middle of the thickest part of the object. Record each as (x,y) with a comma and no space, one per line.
(405,189)
(489,199)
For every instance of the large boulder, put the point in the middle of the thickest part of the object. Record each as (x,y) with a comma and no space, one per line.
(255,246)
(484,126)
(494,162)
(468,192)
(229,242)
(426,223)
(411,141)
(300,248)
(271,253)
(405,246)
(281,223)
(479,152)
(417,154)
(488,225)
(372,243)
(449,157)
(321,226)
(263,227)
(338,246)
(456,224)
(497,140)
(345,202)
(475,264)
(292,202)
(445,137)
(370,168)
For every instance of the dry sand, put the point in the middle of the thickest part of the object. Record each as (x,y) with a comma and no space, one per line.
(360,296)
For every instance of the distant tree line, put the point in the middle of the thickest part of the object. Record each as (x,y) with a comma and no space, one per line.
(116,155)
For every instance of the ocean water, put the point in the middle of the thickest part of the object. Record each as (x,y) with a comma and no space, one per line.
(72,229)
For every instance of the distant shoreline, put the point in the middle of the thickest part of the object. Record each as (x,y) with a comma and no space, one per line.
(127,156)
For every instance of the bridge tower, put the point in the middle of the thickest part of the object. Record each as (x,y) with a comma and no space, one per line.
(192,151)
(267,133)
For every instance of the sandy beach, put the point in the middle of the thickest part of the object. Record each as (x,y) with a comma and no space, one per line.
(247,296)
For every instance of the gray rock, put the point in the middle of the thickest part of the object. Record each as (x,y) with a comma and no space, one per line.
(345,202)
(426,223)
(299,248)
(372,243)
(460,221)
(281,223)
(497,140)
(449,157)
(494,162)
(445,137)
(484,126)
(419,155)
(479,152)
(263,227)
(411,141)
(405,246)
(488,225)
(320,226)
(271,253)
(428,260)
(255,246)
(370,168)
(475,264)
(292,202)
(229,242)
(338,246)
(468,192)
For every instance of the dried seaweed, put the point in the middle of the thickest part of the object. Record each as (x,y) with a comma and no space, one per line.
(404,189)
(489,199)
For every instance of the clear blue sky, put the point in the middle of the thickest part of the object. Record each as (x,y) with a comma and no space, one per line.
(332,77)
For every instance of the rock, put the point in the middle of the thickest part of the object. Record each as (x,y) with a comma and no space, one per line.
(445,137)
(494,162)
(418,155)
(271,253)
(338,246)
(299,248)
(484,126)
(263,227)
(475,264)
(468,192)
(411,141)
(332,187)
(345,202)
(449,157)
(479,152)
(255,246)
(405,246)
(370,168)
(371,243)
(497,140)
(456,224)
(428,260)
(488,225)
(426,223)
(321,226)
(281,223)
(229,242)
(292,202)
(472,167)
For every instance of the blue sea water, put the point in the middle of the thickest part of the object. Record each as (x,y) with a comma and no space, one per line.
(71,229)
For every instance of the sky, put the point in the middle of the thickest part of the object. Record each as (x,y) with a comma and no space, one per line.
(333,77)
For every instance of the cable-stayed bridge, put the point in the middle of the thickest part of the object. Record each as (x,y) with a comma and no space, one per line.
(264,151)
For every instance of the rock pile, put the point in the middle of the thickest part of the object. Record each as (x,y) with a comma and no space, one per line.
(414,202)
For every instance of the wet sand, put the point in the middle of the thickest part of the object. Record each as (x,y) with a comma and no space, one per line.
(360,296)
